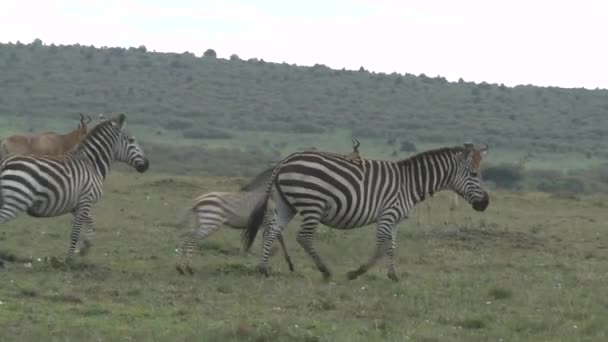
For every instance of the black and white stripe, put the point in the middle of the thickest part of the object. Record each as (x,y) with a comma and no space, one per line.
(345,194)
(213,210)
(47,186)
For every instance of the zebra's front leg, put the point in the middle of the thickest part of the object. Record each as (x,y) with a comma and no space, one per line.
(80,217)
(386,238)
(88,238)
(306,238)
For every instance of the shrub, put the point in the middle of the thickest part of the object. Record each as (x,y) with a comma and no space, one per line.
(504,175)
(207,133)
(305,127)
(210,53)
(177,124)
(566,184)
(408,146)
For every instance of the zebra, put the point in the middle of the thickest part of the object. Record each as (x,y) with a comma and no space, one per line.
(212,210)
(330,189)
(48,186)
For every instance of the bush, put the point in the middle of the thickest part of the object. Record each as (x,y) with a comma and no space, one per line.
(177,124)
(305,127)
(408,146)
(210,53)
(504,175)
(208,133)
(563,185)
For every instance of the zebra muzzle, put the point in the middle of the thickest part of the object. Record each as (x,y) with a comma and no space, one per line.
(143,166)
(482,204)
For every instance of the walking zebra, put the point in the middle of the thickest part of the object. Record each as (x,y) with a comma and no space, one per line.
(329,189)
(212,210)
(47,186)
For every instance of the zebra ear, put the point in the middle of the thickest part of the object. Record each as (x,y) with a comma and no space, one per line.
(120,121)
(484,150)
(469,148)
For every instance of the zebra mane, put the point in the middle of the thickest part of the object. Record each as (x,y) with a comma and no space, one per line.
(260,181)
(103,126)
(435,152)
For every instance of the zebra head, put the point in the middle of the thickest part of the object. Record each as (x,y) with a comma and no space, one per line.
(127,149)
(467,179)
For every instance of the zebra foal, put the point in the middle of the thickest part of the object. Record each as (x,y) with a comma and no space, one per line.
(212,210)
(48,186)
(333,190)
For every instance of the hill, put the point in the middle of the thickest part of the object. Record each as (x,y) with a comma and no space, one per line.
(266,109)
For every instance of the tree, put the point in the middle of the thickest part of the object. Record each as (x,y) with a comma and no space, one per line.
(235,57)
(210,53)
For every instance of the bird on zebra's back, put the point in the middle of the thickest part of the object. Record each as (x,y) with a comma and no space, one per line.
(212,210)
(342,194)
(48,186)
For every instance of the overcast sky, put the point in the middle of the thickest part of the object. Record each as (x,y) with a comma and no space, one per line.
(541,42)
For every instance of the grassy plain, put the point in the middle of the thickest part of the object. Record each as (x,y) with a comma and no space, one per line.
(533,267)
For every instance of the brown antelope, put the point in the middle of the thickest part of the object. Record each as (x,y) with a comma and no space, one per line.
(48,143)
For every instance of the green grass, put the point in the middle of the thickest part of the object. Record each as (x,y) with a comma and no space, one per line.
(533,267)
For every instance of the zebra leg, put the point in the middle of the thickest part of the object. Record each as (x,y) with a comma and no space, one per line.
(7,213)
(386,237)
(283,214)
(306,237)
(185,251)
(389,249)
(285,254)
(88,238)
(80,217)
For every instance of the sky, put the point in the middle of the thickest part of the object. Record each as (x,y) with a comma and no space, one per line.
(547,43)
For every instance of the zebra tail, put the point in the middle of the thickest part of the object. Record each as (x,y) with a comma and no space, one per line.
(256,218)
(1,190)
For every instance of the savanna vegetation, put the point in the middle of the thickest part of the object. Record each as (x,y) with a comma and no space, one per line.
(233,116)
(533,267)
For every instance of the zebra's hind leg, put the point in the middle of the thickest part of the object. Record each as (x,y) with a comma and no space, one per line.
(285,254)
(283,214)
(306,237)
(184,256)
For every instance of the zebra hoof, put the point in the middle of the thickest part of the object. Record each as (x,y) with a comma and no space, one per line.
(179,270)
(264,270)
(392,276)
(326,275)
(290,265)
(189,270)
(86,245)
(352,275)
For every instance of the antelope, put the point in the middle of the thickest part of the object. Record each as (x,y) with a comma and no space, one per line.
(48,143)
